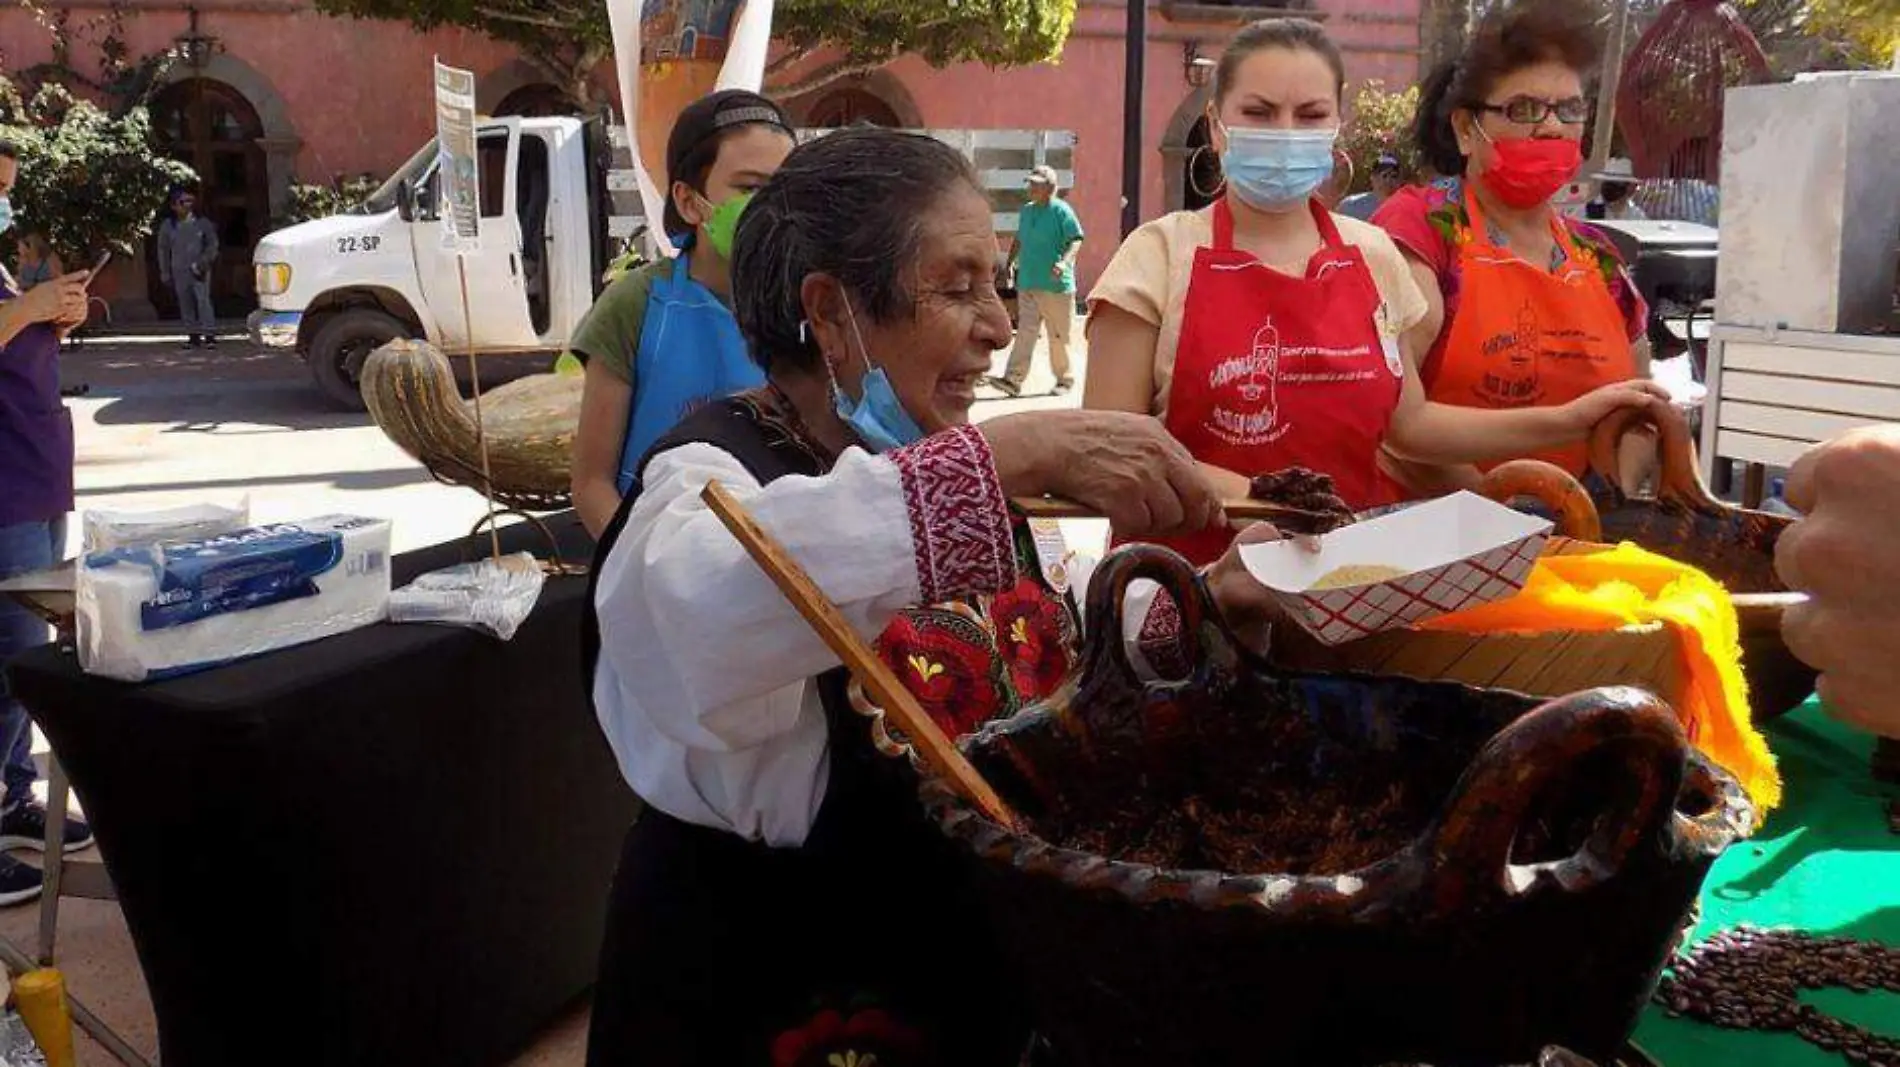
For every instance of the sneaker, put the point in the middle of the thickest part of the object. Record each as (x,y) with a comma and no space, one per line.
(24,826)
(1003,385)
(188,343)
(1063,388)
(210,340)
(19,883)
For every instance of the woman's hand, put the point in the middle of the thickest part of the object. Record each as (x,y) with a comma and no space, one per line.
(62,300)
(1246,605)
(1126,466)
(1581,415)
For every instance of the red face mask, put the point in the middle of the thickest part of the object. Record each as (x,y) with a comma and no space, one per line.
(1527,171)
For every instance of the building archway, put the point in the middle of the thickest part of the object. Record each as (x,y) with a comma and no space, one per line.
(211,127)
(848,107)
(279,140)
(887,98)
(537,100)
(1190,170)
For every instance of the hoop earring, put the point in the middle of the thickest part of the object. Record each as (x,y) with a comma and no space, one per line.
(1194,183)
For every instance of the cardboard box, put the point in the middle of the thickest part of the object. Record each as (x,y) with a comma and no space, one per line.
(1456,553)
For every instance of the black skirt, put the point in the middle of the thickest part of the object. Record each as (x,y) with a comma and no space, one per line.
(726,953)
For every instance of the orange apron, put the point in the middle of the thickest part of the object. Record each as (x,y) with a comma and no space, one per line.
(1524,337)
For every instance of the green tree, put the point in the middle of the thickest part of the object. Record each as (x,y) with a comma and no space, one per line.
(1801,35)
(89,180)
(567,40)
(1381,125)
(1804,35)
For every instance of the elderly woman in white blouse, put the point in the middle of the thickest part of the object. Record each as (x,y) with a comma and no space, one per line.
(781,900)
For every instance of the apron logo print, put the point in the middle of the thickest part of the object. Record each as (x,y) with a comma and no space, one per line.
(1255,375)
(1521,351)
(1254,379)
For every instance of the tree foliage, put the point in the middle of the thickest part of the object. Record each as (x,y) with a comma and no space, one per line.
(1381,125)
(89,180)
(323,201)
(1801,35)
(568,39)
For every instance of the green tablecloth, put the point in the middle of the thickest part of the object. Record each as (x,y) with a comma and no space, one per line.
(1825,863)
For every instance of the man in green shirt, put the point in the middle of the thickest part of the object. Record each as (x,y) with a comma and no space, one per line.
(1048,236)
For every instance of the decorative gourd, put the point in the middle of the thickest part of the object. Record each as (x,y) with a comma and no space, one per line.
(530,423)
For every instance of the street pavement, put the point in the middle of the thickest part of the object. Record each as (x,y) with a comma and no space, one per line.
(160,427)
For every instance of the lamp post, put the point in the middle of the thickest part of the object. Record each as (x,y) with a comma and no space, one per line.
(1134,72)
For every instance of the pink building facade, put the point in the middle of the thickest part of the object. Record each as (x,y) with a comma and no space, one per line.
(283,94)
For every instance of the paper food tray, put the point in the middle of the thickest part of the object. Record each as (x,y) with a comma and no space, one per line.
(1457,553)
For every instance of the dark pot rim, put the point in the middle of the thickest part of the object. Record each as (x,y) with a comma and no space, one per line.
(1371,890)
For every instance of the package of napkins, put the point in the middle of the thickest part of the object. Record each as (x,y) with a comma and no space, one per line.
(171,608)
(106,529)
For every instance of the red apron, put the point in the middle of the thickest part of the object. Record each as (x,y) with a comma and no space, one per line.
(1275,371)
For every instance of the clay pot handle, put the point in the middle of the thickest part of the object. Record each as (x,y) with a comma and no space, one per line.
(1679,480)
(1107,650)
(1552,486)
(1469,849)
(1112,703)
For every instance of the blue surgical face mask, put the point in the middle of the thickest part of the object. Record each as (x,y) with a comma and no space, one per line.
(1278,170)
(877,417)
(6,214)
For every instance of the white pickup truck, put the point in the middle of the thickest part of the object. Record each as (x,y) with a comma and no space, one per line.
(557,202)
(335,289)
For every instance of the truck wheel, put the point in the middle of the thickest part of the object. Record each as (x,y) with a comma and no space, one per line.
(341,347)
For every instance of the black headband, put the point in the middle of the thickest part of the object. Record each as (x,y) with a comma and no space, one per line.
(740,116)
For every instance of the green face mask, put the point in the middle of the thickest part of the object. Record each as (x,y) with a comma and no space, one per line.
(723,225)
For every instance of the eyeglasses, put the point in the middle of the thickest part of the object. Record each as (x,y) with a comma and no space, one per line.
(1532,111)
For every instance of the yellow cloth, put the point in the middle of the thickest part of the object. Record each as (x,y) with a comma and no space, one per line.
(1627,586)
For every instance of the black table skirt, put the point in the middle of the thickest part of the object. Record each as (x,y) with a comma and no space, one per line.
(390,847)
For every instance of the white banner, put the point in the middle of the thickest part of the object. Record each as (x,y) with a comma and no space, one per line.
(623,17)
(745,54)
(684,35)
(459,179)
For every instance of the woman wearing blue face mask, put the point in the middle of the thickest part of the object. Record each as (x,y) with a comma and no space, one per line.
(662,340)
(864,280)
(1269,333)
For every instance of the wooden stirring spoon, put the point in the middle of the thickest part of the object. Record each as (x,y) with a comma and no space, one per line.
(919,728)
(1289,519)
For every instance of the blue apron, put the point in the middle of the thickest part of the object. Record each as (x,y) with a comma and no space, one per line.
(690,352)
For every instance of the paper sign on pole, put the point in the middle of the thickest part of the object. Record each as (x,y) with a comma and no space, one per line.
(461,197)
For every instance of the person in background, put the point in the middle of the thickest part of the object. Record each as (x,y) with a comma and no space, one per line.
(38,262)
(1048,236)
(1528,309)
(36,493)
(661,340)
(1843,556)
(1268,333)
(1387,178)
(1616,183)
(187,247)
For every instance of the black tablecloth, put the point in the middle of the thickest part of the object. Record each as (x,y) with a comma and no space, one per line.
(389,847)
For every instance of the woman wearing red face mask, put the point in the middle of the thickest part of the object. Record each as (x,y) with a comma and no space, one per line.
(1528,309)
(1267,332)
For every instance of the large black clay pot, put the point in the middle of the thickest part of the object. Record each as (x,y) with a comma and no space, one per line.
(1532,903)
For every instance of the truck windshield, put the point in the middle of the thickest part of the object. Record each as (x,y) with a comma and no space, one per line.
(384,198)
